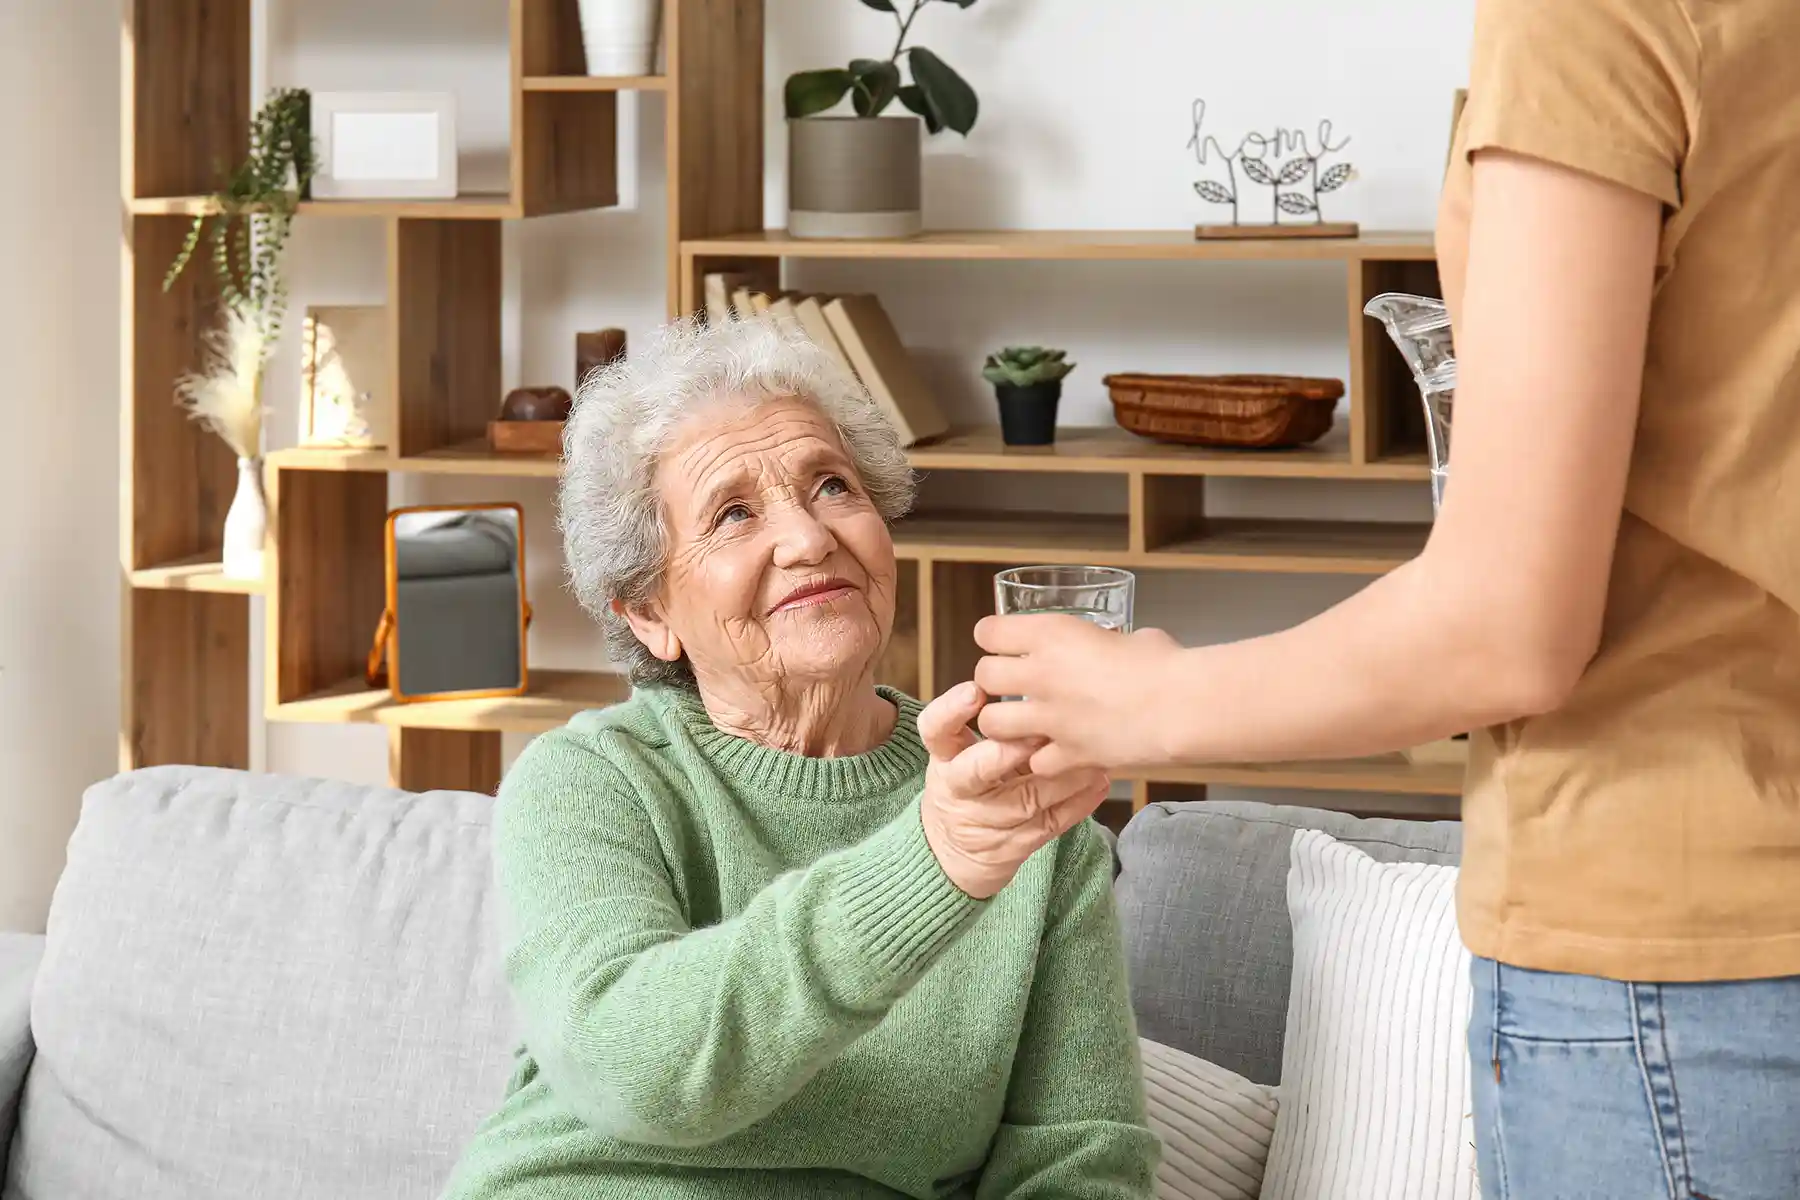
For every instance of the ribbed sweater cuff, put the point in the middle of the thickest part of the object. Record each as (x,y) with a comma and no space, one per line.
(897,903)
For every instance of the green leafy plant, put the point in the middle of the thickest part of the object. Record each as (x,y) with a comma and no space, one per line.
(936,93)
(256,213)
(1024,366)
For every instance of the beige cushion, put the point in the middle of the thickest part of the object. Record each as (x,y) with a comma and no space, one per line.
(1216,1126)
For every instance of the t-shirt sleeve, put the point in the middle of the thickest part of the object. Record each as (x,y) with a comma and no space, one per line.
(1601,86)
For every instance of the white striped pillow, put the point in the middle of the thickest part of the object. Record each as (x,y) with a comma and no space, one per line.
(1215,1126)
(1375,1066)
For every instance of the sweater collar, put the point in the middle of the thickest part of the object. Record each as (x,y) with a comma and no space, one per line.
(902,757)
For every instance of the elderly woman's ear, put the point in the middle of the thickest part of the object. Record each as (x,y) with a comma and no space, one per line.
(651,630)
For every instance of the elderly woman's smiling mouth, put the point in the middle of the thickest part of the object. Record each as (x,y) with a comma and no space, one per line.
(811,595)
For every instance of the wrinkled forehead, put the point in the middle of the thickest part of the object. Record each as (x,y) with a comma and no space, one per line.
(743,440)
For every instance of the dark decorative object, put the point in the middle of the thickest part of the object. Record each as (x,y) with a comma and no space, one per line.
(536,404)
(1286,162)
(531,421)
(595,350)
(1027,385)
(1235,411)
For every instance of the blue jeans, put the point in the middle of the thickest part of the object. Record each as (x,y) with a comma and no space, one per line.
(1587,1089)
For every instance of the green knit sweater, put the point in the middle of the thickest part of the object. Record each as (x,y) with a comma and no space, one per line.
(741,973)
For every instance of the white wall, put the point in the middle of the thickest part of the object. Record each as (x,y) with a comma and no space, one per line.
(59,561)
(1084,124)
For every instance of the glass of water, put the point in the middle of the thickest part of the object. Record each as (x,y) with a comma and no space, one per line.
(1102,595)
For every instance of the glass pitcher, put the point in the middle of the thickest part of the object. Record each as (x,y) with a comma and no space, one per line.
(1420,327)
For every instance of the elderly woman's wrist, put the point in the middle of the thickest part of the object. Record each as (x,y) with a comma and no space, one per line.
(898,904)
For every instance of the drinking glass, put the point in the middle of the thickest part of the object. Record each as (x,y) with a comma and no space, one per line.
(1102,595)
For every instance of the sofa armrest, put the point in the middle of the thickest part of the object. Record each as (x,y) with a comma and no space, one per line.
(19,956)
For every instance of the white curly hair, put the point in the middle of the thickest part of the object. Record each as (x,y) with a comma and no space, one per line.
(626,415)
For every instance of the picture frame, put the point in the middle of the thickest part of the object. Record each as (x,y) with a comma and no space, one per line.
(384,145)
(345,380)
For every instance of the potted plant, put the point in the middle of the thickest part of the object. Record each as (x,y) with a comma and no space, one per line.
(1027,383)
(858,176)
(249,232)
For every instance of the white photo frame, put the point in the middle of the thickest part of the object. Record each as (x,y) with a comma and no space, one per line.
(384,145)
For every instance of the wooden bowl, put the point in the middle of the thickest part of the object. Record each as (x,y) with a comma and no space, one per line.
(1236,411)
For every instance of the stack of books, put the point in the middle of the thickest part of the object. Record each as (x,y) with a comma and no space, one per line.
(856,330)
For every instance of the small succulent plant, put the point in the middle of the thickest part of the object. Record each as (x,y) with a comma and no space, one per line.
(1023,366)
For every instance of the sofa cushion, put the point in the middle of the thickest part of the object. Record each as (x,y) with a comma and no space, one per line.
(1202,897)
(1375,1069)
(1216,1127)
(262,986)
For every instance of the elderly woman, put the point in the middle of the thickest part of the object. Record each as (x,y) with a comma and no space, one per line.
(772,930)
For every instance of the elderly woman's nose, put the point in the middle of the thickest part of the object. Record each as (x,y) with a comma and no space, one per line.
(800,537)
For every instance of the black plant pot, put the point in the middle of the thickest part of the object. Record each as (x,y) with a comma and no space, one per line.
(1028,414)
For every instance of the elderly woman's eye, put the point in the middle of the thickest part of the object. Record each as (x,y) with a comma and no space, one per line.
(835,485)
(732,513)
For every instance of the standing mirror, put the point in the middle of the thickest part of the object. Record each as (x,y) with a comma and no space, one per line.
(456,616)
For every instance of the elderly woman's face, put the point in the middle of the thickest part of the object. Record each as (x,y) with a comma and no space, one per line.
(779,564)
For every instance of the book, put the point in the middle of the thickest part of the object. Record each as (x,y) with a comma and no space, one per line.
(881,360)
(782,309)
(810,311)
(741,303)
(719,285)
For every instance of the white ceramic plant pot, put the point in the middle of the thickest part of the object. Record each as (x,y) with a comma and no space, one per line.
(620,36)
(246,522)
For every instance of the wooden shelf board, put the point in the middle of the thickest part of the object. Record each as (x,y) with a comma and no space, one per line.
(1304,547)
(1010,537)
(1091,244)
(475,206)
(1228,544)
(1096,450)
(1383,773)
(329,458)
(555,697)
(478,458)
(200,573)
(1110,450)
(596,83)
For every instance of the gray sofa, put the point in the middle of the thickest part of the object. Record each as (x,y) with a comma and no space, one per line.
(259,987)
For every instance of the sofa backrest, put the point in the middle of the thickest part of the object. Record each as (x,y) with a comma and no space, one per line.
(257,985)
(263,986)
(1202,896)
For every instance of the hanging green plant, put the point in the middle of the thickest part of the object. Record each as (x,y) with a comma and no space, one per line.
(937,93)
(256,213)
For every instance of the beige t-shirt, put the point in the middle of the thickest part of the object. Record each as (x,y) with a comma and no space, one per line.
(1650,828)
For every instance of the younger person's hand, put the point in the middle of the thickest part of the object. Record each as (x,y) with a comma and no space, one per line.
(1094,698)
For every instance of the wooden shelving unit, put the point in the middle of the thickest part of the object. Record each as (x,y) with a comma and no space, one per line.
(187,109)
(185,83)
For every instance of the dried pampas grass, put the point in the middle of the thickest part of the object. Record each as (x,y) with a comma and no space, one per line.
(226,395)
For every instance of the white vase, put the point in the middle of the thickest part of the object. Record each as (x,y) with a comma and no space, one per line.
(246,522)
(620,36)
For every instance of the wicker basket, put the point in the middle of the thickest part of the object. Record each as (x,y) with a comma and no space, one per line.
(1243,411)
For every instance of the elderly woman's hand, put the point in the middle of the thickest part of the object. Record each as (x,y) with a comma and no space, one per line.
(984,812)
